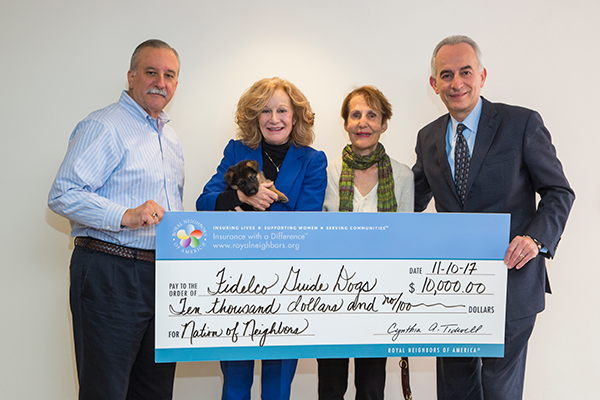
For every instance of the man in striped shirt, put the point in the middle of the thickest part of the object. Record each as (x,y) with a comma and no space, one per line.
(123,169)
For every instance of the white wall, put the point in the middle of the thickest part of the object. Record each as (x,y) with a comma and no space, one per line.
(61,60)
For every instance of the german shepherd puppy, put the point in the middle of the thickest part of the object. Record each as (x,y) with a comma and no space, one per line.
(247,177)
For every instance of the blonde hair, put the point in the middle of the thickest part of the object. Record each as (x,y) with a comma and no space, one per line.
(254,100)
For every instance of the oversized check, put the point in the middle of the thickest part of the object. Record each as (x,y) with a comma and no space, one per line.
(277,285)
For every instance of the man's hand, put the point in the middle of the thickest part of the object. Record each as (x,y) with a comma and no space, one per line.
(520,250)
(262,199)
(148,214)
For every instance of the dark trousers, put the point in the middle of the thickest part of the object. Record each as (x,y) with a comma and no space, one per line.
(464,378)
(276,379)
(369,378)
(112,304)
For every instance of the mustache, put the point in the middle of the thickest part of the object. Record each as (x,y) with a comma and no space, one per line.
(161,92)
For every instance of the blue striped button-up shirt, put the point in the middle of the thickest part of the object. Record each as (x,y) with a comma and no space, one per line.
(118,158)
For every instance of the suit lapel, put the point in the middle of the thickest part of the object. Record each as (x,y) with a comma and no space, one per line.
(488,126)
(442,154)
(254,154)
(292,163)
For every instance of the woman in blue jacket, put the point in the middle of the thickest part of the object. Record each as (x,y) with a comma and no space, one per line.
(275,128)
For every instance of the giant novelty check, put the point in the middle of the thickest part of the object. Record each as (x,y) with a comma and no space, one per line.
(277,285)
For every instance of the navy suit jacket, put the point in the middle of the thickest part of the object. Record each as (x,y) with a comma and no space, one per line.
(513,159)
(302,177)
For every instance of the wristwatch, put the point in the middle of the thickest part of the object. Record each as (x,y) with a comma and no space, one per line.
(538,243)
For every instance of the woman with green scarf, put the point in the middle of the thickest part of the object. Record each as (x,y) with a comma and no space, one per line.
(363,179)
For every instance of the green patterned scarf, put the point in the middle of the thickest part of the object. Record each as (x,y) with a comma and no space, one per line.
(386,198)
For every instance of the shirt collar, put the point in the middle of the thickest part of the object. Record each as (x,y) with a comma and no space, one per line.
(135,108)
(471,122)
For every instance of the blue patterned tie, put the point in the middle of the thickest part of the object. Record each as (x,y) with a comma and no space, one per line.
(462,162)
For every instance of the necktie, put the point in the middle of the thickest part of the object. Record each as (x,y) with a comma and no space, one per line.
(462,162)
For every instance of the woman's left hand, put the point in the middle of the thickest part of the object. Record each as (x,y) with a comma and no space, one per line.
(262,199)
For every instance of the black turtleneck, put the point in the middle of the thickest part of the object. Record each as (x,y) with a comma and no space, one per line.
(277,153)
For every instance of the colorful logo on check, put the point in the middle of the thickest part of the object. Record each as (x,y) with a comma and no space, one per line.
(189,236)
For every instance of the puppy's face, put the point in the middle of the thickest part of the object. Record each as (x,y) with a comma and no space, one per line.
(244,176)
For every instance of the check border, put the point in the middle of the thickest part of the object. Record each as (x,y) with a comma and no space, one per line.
(323,236)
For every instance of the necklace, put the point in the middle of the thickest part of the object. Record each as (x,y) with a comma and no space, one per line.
(273,162)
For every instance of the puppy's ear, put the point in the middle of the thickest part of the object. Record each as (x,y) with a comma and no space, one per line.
(253,164)
(229,176)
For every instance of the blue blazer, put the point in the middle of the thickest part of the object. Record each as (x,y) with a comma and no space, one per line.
(513,159)
(302,177)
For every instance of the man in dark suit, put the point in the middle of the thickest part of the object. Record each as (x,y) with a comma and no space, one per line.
(487,157)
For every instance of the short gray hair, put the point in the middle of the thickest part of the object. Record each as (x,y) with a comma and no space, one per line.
(154,43)
(454,40)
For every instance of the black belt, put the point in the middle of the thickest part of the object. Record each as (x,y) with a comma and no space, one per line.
(115,249)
